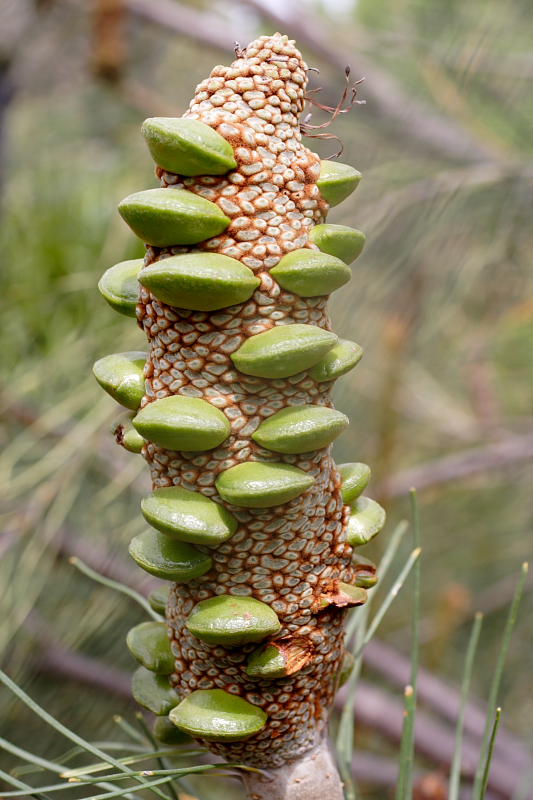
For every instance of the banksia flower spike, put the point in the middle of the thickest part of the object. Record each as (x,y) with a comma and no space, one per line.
(249,518)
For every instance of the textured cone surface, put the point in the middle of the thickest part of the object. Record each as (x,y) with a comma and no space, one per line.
(182,423)
(217,716)
(149,644)
(188,516)
(309,274)
(168,559)
(366,521)
(338,240)
(300,429)
(199,281)
(257,485)
(282,555)
(187,146)
(163,218)
(337,181)
(232,621)
(120,288)
(337,361)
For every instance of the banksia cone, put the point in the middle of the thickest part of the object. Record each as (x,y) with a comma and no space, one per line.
(249,517)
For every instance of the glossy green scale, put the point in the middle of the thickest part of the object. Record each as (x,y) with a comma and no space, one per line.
(346,668)
(166,217)
(355,477)
(158,598)
(153,691)
(149,645)
(300,429)
(122,377)
(338,240)
(199,281)
(126,435)
(256,484)
(182,423)
(187,146)
(365,522)
(165,731)
(310,273)
(119,286)
(231,620)
(218,716)
(188,516)
(283,350)
(337,181)
(167,558)
(339,360)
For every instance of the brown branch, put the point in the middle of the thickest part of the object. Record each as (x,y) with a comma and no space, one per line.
(391,664)
(182,19)
(497,455)
(419,123)
(383,713)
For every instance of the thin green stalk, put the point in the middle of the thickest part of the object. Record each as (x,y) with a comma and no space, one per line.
(9,779)
(404,788)
(391,595)
(496,681)
(89,769)
(382,570)
(118,587)
(357,625)
(455,773)
(68,734)
(43,763)
(149,735)
(129,729)
(486,770)
(405,771)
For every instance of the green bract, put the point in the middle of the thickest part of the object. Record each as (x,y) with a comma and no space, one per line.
(232,621)
(255,484)
(158,598)
(187,146)
(338,240)
(182,423)
(339,360)
(165,731)
(153,692)
(165,217)
(188,516)
(167,558)
(366,520)
(199,281)
(337,181)
(126,435)
(267,663)
(122,376)
(310,273)
(120,287)
(149,644)
(355,477)
(218,716)
(299,429)
(365,573)
(346,668)
(283,351)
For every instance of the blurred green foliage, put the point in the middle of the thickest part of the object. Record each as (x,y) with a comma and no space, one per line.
(441,300)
